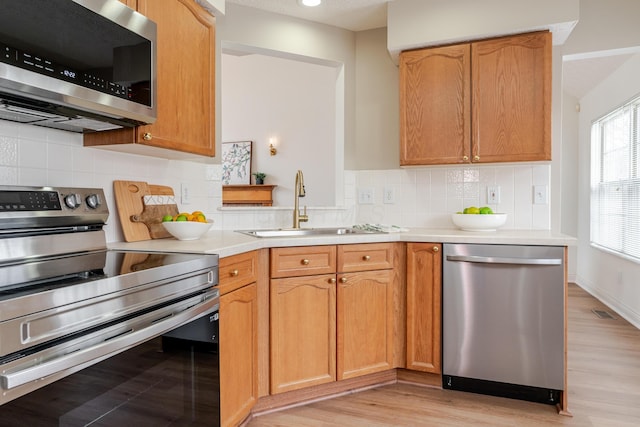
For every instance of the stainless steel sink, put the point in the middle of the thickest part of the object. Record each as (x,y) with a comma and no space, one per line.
(303,232)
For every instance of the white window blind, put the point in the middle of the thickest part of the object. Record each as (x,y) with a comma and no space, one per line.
(615,181)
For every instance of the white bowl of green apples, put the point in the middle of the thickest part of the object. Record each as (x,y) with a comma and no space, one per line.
(479,219)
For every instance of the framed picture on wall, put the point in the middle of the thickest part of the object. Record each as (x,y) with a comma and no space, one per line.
(236,163)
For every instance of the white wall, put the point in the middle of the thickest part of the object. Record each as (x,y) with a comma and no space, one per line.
(377,142)
(569,170)
(294,103)
(610,278)
(605,26)
(418,23)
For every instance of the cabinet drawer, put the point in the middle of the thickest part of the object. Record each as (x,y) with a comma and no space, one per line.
(237,271)
(370,256)
(303,261)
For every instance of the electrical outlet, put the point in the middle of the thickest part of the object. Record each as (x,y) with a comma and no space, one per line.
(185,194)
(388,196)
(493,195)
(365,196)
(540,194)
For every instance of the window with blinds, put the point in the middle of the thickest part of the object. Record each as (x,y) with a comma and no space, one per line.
(615,181)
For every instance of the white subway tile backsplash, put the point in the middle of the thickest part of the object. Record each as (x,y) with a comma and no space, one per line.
(424,197)
(32,154)
(8,175)
(8,151)
(32,176)
(59,157)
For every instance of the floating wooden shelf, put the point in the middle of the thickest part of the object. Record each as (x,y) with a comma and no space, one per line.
(261,195)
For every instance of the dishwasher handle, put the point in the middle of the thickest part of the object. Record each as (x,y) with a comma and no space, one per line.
(503,260)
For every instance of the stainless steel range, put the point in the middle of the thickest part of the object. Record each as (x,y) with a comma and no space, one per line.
(76,319)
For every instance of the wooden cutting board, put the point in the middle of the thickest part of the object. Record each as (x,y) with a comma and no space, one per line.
(142,221)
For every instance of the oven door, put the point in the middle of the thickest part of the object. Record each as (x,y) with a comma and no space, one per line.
(157,369)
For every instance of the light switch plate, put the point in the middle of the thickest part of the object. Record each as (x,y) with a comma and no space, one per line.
(493,195)
(388,196)
(365,196)
(540,194)
(185,194)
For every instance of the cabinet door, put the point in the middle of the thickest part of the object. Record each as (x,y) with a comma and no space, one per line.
(185,92)
(303,332)
(365,323)
(424,306)
(186,76)
(435,105)
(238,354)
(511,108)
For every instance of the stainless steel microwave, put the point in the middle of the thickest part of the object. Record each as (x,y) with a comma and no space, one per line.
(76,65)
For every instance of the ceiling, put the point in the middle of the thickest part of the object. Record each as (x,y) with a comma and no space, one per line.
(354,15)
(579,75)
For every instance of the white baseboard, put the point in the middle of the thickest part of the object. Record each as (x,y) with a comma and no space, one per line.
(626,312)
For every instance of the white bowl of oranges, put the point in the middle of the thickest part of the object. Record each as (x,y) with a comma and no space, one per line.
(187,226)
(479,219)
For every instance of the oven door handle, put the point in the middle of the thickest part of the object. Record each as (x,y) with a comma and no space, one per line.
(91,355)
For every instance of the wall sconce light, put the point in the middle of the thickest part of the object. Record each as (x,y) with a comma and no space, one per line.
(272,148)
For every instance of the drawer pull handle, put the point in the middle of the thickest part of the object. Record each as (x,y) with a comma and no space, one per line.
(234,273)
(343,280)
(436,249)
(332,280)
(305,262)
(147,136)
(366,258)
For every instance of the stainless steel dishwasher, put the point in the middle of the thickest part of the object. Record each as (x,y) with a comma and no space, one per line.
(503,320)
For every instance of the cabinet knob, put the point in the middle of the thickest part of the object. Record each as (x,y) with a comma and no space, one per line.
(476,158)
(366,258)
(332,281)
(465,158)
(147,136)
(304,262)
(436,249)
(343,280)
(234,273)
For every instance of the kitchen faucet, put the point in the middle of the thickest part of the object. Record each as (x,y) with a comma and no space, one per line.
(299,192)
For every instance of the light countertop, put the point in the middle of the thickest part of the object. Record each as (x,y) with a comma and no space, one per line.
(226,243)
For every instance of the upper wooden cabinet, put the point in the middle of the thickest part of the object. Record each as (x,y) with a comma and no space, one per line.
(481,102)
(185,82)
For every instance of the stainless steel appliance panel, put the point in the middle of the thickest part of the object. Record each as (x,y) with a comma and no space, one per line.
(503,314)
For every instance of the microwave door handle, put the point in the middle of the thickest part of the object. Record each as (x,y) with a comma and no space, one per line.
(89,356)
(503,260)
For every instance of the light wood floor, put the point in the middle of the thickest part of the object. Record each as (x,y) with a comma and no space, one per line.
(603,376)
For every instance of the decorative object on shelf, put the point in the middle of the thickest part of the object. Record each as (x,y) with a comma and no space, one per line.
(260,176)
(236,162)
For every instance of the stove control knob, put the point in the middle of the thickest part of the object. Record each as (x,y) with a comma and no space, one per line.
(73,201)
(93,201)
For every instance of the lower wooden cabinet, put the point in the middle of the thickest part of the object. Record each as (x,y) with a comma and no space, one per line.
(424,307)
(336,325)
(303,331)
(238,354)
(365,323)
